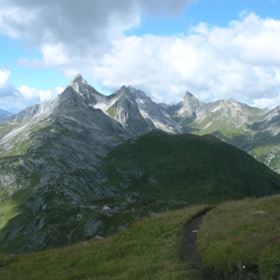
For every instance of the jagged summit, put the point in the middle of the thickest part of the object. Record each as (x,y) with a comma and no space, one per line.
(131,92)
(79,84)
(189,95)
(127,89)
(191,100)
(124,90)
(190,105)
(78,79)
(79,89)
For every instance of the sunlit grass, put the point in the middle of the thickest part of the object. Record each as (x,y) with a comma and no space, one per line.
(146,250)
(243,235)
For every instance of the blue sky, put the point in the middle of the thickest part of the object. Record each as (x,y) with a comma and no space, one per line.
(12,51)
(214,12)
(45,64)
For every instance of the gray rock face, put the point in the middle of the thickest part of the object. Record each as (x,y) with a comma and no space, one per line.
(158,114)
(266,139)
(50,156)
(126,111)
(222,116)
(191,106)
(92,227)
(269,122)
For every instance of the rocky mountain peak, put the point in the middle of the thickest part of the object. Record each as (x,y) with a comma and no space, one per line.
(189,95)
(79,89)
(190,99)
(131,92)
(127,89)
(190,105)
(79,84)
(79,79)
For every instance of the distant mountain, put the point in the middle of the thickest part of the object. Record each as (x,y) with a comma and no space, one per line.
(191,107)
(64,176)
(251,129)
(265,145)
(224,117)
(124,108)
(269,122)
(254,130)
(137,112)
(237,123)
(4,115)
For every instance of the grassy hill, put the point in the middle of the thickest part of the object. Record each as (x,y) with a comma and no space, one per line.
(146,250)
(155,173)
(192,168)
(237,240)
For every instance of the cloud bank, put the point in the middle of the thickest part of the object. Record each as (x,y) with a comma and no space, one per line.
(240,60)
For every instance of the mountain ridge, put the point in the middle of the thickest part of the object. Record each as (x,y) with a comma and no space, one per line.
(235,122)
(55,191)
(232,121)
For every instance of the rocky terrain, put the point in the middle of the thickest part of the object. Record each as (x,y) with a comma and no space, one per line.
(62,179)
(49,155)
(256,131)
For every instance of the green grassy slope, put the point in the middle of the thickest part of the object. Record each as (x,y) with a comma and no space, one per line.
(187,167)
(146,250)
(239,240)
(155,173)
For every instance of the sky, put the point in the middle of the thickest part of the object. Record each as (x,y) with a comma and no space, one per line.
(215,49)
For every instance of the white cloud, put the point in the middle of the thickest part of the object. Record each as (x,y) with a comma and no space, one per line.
(54,54)
(59,90)
(267,102)
(4,77)
(240,60)
(35,94)
(82,26)
(27,92)
(15,99)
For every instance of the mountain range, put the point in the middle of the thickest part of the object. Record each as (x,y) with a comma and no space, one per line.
(87,164)
(255,130)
